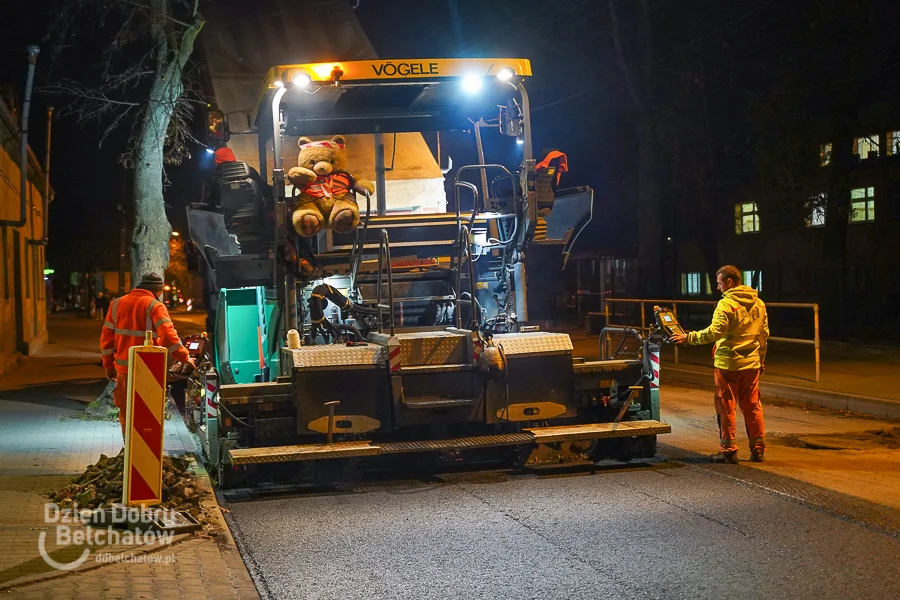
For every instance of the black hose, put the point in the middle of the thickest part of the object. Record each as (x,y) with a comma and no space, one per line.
(346,327)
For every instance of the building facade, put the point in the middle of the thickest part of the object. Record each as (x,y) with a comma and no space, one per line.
(23,294)
(785,245)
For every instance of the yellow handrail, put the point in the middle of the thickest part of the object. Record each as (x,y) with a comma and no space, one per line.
(674,303)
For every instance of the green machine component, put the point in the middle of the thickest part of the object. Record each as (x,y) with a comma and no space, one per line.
(245,332)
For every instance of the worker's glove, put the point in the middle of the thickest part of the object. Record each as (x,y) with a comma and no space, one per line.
(187,367)
(111,373)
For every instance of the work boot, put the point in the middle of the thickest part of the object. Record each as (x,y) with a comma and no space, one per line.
(730,456)
(758,455)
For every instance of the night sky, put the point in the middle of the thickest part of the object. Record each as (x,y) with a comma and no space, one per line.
(579,99)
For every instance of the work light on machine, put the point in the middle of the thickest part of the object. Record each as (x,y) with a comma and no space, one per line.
(471,84)
(505,74)
(301,80)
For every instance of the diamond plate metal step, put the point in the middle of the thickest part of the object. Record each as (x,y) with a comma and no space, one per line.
(275,454)
(535,435)
(435,402)
(595,431)
(484,441)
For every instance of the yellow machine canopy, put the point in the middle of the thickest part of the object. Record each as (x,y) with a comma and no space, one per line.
(373,96)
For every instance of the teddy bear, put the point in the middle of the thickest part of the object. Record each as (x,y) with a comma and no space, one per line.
(325,197)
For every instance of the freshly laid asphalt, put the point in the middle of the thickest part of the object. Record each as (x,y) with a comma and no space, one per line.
(674,527)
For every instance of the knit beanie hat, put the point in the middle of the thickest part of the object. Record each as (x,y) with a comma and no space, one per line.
(151,282)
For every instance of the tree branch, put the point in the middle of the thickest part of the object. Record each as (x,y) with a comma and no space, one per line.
(162,13)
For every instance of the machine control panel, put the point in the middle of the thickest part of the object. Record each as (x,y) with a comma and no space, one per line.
(667,321)
(197,345)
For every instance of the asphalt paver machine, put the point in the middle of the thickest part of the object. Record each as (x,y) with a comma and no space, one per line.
(407,341)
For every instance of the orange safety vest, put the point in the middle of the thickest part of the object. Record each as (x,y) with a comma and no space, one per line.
(562,163)
(336,185)
(128,319)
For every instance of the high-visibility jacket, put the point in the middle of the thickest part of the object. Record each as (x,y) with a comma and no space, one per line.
(127,320)
(740,329)
(335,185)
(562,163)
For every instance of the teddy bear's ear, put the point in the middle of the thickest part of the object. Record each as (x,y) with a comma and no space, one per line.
(338,139)
(303,140)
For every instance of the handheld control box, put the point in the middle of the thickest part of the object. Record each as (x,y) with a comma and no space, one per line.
(197,346)
(666,321)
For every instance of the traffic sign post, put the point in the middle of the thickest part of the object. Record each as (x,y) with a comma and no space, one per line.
(145,416)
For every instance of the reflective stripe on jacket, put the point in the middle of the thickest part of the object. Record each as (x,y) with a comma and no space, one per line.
(127,320)
(740,329)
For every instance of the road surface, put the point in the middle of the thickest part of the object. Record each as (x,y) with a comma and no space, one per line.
(821,518)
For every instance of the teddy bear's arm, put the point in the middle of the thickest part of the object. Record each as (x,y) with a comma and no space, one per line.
(364,185)
(301,176)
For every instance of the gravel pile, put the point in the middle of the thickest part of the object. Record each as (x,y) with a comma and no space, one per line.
(100,486)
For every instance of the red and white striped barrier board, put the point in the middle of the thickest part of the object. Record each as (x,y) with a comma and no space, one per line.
(212,409)
(142,484)
(654,366)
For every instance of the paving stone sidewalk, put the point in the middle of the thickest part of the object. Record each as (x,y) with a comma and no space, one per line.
(44,443)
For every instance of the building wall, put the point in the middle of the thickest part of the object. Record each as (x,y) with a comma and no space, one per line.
(23,297)
(791,256)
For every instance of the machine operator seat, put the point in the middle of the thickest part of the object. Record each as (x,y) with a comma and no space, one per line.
(244,199)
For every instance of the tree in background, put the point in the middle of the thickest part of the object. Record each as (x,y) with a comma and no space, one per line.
(143,83)
(638,83)
(177,271)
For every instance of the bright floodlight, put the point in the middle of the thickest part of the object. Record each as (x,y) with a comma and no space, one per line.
(505,74)
(210,151)
(472,84)
(520,141)
(301,80)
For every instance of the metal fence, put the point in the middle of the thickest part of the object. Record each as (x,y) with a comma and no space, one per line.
(644,327)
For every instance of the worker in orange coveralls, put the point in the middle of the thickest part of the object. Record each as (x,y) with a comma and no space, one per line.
(128,318)
(740,330)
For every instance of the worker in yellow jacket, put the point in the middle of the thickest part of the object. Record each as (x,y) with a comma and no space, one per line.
(740,331)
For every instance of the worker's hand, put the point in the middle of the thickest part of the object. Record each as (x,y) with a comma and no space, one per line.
(679,339)
(191,361)
(111,373)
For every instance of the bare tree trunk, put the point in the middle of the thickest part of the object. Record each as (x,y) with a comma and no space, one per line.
(150,241)
(837,216)
(649,218)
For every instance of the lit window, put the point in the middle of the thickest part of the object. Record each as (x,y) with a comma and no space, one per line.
(690,284)
(748,279)
(824,154)
(893,143)
(862,205)
(746,218)
(815,216)
(864,145)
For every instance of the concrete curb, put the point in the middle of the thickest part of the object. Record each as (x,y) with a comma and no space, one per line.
(869,405)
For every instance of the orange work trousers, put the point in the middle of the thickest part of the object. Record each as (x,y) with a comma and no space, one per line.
(120,398)
(739,388)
